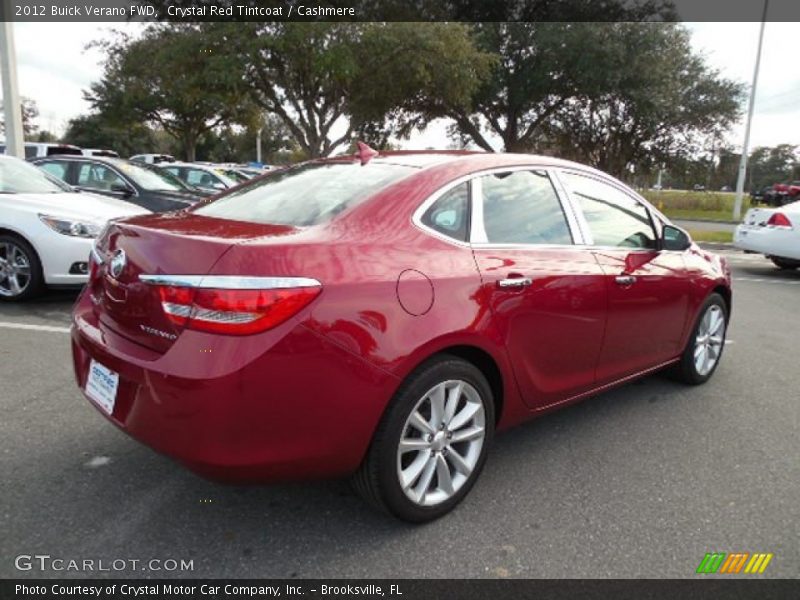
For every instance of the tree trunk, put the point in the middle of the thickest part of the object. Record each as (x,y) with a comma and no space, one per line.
(190,146)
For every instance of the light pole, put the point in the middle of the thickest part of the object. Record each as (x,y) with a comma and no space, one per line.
(737,205)
(15,144)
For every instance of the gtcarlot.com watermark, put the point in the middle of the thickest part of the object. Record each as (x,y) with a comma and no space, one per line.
(47,563)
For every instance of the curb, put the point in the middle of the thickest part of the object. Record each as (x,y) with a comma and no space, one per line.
(716,245)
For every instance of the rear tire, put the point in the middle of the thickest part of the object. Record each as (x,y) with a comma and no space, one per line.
(785,263)
(431,443)
(20,270)
(704,348)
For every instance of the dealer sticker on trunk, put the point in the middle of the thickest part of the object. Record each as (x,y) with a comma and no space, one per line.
(101,386)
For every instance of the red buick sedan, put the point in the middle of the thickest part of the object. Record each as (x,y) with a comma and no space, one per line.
(382,315)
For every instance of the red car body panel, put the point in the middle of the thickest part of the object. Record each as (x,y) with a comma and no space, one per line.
(304,399)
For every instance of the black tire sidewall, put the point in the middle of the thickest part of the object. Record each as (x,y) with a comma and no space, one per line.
(418,384)
(689,369)
(37,279)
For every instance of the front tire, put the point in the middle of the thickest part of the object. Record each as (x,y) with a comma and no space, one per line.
(431,443)
(704,349)
(20,270)
(785,264)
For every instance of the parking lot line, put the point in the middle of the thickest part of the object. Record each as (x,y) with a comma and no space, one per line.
(50,328)
(761,280)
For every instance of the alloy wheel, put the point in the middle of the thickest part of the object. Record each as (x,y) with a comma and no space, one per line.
(441,442)
(15,270)
(709,340)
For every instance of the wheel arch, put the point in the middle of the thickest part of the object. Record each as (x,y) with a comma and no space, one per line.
(725,292)
(478,356)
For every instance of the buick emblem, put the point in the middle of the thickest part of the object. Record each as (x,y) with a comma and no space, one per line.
(117,263)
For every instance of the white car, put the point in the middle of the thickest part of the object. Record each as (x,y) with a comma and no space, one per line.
(773,232)
(153,159)
(47,229)
(40,149)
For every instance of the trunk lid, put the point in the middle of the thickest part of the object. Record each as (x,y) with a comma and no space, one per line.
(162,244)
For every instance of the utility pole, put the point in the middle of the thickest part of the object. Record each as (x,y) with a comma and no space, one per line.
(258,145)
(15,144)
(737,205)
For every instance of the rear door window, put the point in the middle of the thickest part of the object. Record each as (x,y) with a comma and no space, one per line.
(522,207)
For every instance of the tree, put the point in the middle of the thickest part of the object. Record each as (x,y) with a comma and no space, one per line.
(173,78)
(660,101)
(769,165)
(30,112)
(327,81)
(96,130)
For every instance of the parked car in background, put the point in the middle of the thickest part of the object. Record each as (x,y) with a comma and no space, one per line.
(139,183)
(205,177)
(46,229)
(100,152)
(773,232)
(153,159)
(382,314)
(249,172)
(37,150)
(782,193)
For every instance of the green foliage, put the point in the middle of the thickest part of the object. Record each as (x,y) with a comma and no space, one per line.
(30,112)
(174,77)
(96,131)
(681,204)
(773,165)
(329,81)
(659,100)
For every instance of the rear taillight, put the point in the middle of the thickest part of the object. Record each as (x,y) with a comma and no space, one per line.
(233,310)
(779,220)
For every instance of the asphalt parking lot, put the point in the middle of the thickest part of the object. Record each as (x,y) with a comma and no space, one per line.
(639,482)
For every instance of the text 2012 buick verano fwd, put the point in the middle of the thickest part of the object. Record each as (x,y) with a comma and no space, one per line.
(381,316)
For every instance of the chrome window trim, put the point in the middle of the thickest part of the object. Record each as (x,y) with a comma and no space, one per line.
(479,239)
(477,234)
(230,282)
(95,254)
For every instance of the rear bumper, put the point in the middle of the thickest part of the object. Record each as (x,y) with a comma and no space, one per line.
(300,408)
(770,241)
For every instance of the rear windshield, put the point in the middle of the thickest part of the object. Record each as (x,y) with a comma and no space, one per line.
(51,150)
(308,194)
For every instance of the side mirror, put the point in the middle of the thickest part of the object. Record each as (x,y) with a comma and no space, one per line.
(121,188)
(674,238)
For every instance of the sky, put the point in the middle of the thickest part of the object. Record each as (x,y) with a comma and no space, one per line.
(54,67)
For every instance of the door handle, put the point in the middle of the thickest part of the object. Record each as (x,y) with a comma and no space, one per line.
(515,282)
(625,279)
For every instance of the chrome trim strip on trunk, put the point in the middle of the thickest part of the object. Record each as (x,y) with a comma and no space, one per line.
(230,282)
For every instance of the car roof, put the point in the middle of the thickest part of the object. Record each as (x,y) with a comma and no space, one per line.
(467,159)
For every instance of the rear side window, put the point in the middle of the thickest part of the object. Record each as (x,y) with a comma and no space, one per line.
(614,217)
(449,214)
(522,207)
(30,152)
(308,194)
